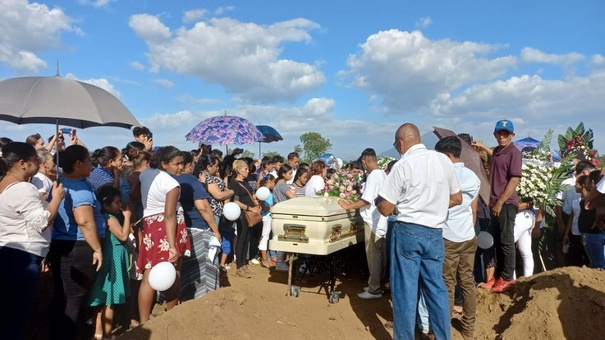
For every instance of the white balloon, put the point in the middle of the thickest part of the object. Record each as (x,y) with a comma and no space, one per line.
(263,193)
(232,211)
(162,276)
(485,240)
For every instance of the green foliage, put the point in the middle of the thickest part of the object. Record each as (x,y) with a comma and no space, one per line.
(298,149)
(314,145)
(248,153)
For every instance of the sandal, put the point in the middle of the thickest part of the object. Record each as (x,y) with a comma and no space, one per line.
(267,264)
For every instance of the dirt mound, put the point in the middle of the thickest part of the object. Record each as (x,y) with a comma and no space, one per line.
(567,303)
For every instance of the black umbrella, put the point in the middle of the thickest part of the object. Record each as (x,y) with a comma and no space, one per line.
(270,135)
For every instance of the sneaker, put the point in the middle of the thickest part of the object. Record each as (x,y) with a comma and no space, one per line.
(489,284)
(255,262)
(241,272)
(365,295)
(502,285)
(365,289)
(388,324)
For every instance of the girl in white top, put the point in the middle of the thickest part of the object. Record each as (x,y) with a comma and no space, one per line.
(164,232)
(47,173)
(316,182)
(24,236)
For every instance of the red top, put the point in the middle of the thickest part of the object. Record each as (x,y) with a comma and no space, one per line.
(506,163)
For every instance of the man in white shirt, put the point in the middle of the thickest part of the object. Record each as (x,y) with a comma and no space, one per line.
(420,188)
(459,238)
(375,225)
(293,160)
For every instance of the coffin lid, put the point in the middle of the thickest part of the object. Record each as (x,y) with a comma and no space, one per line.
(311,206)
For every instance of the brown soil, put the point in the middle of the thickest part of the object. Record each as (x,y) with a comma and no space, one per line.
(567,303)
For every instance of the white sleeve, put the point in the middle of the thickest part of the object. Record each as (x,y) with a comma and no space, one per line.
(393,185)
(372,186)
(29,205)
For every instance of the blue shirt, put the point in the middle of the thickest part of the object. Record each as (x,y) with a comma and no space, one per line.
(267,203)
(192,190)
(78,192)
(99,177)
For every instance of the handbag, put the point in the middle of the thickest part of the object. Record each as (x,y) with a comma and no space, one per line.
(252,217)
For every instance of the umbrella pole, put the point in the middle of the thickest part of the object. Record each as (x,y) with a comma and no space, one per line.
(57,149)
(259,154)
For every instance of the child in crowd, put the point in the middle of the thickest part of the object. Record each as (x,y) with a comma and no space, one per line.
(269,183)
(112,284)
(299,182)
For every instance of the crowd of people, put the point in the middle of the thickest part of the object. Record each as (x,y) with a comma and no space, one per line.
(101,220)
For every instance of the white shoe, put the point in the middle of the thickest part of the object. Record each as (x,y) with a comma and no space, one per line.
(365,295)
(365,289)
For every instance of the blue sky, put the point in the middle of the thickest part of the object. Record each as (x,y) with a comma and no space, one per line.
(352,71)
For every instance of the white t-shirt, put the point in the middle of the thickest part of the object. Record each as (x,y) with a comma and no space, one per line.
(420,185)
(369,213)
(155,184)
(315,184)
(459,226)
(24,219)
(569,194)
(43,183)
(601,186)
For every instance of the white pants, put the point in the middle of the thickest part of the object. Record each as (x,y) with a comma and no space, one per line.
(264,239)
(524,224)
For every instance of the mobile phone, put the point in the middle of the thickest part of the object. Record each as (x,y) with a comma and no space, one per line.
(66,130)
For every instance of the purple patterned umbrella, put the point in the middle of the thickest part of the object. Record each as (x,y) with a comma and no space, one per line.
(225,130)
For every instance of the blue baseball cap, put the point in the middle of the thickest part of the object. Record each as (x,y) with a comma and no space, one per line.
(505,125)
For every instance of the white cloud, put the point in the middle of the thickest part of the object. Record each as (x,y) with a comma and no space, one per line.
(598,60)
(242,57)
(164,82)
(137,65)
(194,15)
(27,29)
(532,55)
(408,70)
(222,10)
(96,3)
(423,22)
(100,82)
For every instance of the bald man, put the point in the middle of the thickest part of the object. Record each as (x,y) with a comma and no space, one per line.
(419,190)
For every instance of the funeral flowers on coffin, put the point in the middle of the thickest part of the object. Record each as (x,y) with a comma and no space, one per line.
(344,185)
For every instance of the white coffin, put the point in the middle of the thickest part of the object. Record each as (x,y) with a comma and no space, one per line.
(314,225)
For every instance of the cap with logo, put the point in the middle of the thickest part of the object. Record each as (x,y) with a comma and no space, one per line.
(504,125)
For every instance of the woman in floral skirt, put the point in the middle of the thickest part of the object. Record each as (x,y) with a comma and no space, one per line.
(164,233)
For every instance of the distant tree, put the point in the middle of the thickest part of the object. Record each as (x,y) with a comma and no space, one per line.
(298,149)
(314,145)
(270,154)
(248,153)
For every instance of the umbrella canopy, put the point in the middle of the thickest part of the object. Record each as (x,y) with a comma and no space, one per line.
(527,142)
(471,160)
(56,100)
(270,135)
(225,130)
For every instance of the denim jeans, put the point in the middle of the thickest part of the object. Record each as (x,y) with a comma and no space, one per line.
(417,258)
(21,274)
(422,319)
(595,248)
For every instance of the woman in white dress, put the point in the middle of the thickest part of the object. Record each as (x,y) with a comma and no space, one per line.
(316,182)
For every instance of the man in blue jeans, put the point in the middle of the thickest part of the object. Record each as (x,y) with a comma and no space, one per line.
(419,190)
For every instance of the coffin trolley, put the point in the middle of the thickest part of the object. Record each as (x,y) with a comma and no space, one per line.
(315,226)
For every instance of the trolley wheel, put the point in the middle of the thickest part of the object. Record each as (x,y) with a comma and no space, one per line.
(294,291)
(334,297)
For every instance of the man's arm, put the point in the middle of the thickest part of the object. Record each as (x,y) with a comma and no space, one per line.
(348,204)
(455,199)
(510,188)
(385,207)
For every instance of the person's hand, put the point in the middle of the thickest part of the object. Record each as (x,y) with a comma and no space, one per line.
(496,209)
(173,254)
(217,234)
(58,191)
(202,177)
(599,225)
(344,203)
(148,143)
(256,209)
(44,266)
(97,258)
(565,240)
(479,144)
(116,172)
(126,211)
(73,139)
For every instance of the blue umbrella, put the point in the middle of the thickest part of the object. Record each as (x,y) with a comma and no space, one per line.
(269,135)
(527,142)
